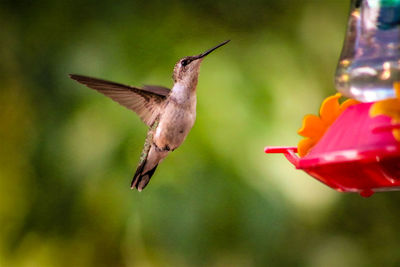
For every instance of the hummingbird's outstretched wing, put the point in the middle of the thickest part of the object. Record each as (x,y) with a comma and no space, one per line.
(146,101)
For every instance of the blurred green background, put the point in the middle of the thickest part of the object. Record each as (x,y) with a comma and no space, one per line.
(68,153)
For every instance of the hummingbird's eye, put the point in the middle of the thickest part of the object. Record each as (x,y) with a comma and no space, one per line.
(184,62)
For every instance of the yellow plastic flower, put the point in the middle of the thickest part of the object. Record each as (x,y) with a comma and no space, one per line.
(314,126)
(389,107)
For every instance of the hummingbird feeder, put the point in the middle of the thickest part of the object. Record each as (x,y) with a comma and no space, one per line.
(355,146)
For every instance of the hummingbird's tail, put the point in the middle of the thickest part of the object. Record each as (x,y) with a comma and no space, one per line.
(141,179)
(149,161)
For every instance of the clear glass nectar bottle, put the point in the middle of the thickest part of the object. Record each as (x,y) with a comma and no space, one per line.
(369,64)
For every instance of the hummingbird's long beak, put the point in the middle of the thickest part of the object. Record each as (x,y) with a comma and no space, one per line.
(210,50)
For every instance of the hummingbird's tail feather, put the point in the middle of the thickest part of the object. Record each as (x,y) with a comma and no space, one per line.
(140,179)
(149,161)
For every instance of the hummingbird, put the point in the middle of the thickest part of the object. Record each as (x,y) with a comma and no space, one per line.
(169,113)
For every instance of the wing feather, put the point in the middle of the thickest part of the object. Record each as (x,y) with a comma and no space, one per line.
(146,102)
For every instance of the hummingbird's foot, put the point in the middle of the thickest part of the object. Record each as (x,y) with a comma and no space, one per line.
(166,148)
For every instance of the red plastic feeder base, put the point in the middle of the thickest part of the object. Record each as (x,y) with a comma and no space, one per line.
(357,153)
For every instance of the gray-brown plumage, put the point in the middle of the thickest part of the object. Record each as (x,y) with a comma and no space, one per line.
(170,114)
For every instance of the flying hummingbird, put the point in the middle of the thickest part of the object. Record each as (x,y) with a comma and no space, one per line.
(170,114)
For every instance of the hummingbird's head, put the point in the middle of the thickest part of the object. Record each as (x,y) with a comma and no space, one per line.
(187,69)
